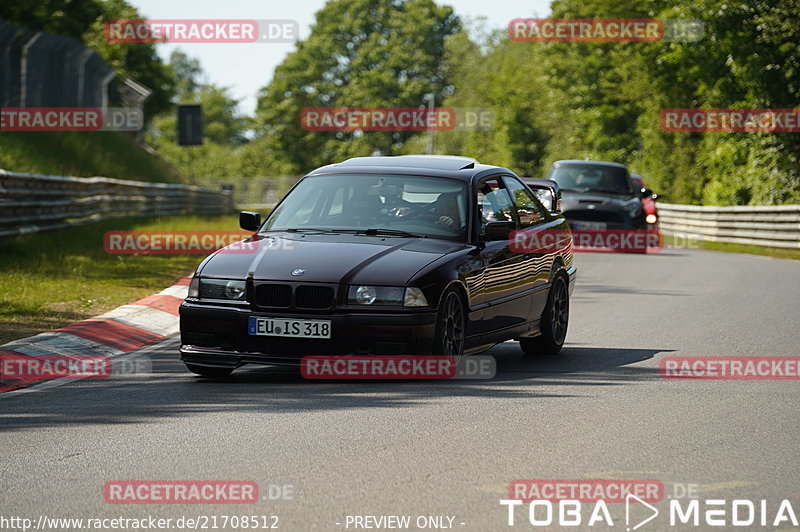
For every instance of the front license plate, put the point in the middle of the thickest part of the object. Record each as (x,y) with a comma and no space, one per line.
(589,225)
(288,327)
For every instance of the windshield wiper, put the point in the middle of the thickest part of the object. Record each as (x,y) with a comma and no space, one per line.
(391,232)
(369,232)
(314,230)
(574,189)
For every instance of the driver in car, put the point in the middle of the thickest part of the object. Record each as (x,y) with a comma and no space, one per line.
(445,208)
(393,202)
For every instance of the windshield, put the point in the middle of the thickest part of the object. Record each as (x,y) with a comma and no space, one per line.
(584,178)
(392,205)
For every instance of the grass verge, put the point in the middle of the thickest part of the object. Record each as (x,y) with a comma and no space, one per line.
(779,253)
(49,280)
(82,154)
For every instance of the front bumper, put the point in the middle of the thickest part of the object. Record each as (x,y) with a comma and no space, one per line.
(572,273)
(217,336)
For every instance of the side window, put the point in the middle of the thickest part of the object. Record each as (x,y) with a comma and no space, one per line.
(529,210)
(494,203)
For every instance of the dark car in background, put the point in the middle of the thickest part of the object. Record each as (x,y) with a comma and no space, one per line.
(408,255)
(599,195)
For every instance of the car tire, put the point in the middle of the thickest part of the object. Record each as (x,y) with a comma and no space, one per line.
(555,320)
(451,326)
(209,371)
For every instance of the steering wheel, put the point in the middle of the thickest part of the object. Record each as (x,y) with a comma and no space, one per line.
(415,213)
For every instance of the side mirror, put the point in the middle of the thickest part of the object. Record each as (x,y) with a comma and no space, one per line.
(557,204)
(655,197)
(646,192)
(548,197)
(496,231)
(249,221)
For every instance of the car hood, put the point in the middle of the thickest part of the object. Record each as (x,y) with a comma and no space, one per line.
(328,258)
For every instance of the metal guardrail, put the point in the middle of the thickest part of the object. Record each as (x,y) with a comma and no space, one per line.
(30,203)
(771,226)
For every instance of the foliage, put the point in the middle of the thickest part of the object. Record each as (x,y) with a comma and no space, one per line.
(83,20)
(603,100)
(361,53)
(551,100)
(224,128)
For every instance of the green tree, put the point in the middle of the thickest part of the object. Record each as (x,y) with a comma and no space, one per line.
(138,61)
(225,129)
(603,100)
(361,53)
(188,74)
(64,17)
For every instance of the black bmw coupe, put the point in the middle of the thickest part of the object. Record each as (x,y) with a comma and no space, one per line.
(408,255)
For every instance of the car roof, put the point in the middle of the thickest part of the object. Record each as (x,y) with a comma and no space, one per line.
(440,162)
(452,166)
(589,163)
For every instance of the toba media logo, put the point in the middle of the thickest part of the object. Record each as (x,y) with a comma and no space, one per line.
(574,503)
(564,502)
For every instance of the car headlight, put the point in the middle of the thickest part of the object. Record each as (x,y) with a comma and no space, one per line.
(385,295)
(651,218)
(221,289)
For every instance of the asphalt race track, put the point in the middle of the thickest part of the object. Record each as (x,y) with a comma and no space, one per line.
(448,448)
